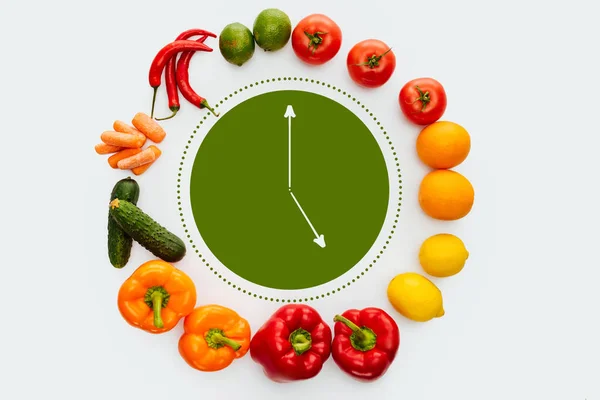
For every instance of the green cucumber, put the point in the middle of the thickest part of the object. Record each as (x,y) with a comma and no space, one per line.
(146,231)
(119,242)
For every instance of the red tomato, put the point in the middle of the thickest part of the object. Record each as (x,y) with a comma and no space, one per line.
(316,39)
(423,100)
(371,63)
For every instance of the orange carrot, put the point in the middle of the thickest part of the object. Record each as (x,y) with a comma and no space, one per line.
(141,158)
(115,158)
(149,127)
(103,148)
(122,127)
(143,168)
(127,140)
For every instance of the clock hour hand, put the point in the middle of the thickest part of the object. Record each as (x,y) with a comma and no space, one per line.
(319,239)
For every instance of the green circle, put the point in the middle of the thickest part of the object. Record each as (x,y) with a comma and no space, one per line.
(250,219)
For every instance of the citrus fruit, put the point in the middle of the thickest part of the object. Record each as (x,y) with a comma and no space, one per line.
(443,145)
(443,255)
(236,44)
(272,29)
(446,195)
(415,297)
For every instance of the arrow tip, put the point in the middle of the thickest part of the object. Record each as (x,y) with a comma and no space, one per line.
(289,112)
(320,241)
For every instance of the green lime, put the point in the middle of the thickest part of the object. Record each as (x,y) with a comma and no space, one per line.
(236,44)
(272,29)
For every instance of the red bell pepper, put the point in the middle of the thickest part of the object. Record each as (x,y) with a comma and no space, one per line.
(293,344)
(365,343)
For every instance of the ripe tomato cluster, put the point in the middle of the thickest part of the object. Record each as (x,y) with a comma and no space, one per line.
(317,39)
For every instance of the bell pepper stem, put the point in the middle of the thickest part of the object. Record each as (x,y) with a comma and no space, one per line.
(355,328)
(302,344)
(219,338)
(301,341)
(215,338)
(157,299)
(362,339)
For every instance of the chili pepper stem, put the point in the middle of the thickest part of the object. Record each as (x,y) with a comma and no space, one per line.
(157,298)
(204,104)
(301,341)
(216,339)
(153,101)
(170,116)
(363,339)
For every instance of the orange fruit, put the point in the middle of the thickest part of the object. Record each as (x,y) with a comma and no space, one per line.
(446,195)
(443,145)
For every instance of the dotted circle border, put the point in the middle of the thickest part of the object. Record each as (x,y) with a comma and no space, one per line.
(300,299)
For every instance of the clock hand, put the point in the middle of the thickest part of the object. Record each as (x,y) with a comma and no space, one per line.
(320,239)
(289,114)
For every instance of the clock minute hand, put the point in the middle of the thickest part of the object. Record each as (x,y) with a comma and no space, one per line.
(289,114)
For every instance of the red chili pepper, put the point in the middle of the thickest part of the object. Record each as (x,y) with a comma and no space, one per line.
(365,343)
(163,56)
(183,82)
(170,70)
(293,344)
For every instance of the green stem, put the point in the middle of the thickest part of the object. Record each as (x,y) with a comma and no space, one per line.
(157,299)
(314,40)
(424,98)
(204,104)
(215,338)
(362,339)
(153,102)
(373,61)
(355,328)
(169,117)
(301,341)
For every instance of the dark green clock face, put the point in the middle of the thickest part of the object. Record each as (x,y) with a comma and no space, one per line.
(289,214)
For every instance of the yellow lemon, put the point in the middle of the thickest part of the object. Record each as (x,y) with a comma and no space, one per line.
(443,255)
(415,297)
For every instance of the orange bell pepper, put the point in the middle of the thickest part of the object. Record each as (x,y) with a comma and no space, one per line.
(214,337)
(156,296)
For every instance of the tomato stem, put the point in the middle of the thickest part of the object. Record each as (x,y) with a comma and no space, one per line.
(424,98)
(314,40)
(373,61)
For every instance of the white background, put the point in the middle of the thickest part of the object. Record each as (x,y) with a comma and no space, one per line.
(521,76)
